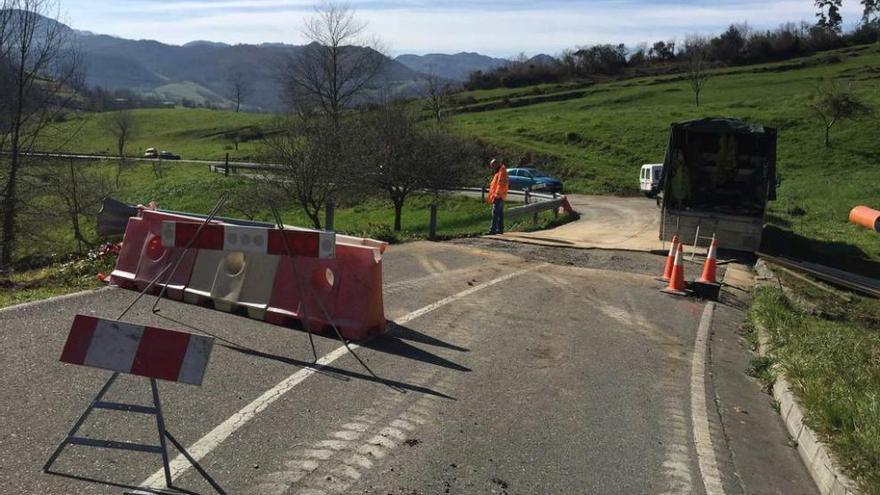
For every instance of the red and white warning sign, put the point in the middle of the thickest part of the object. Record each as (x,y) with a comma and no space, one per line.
(260,240)
(137,350)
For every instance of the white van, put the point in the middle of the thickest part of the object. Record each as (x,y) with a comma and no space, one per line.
(649,179)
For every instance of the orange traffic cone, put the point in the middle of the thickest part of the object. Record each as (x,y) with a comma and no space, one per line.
(711,266)
(676,282)
(670,260)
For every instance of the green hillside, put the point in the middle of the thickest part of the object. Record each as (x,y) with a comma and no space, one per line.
(192,133)
(597,137)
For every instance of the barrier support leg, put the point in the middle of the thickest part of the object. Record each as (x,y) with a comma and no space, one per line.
(162,448)
(79,422)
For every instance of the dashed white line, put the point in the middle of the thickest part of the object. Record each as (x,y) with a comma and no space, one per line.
(219,434)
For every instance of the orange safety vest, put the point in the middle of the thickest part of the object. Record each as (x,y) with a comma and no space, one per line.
(499,185)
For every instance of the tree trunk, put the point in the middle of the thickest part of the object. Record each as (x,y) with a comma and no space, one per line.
(11,194)
(398,212)
(314,217)
(9,200)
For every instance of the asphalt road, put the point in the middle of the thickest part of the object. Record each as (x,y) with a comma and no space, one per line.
(81,156)
(606,222)
(502,374)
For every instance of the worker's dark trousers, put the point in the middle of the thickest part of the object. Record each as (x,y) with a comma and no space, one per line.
(497,217)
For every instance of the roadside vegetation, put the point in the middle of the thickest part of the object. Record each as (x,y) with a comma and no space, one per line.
(597,140)
(828,346)
(53,262)
(193,133)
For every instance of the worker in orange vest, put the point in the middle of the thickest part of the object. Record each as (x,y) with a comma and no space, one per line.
(497,194)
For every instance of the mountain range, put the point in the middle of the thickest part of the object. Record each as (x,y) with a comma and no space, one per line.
(199,71)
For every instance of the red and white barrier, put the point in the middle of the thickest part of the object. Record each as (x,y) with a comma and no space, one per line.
(247,269)
(258,240)
(137,350)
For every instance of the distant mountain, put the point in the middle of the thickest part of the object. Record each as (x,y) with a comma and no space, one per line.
(456,67)
(543,59)
(198,70)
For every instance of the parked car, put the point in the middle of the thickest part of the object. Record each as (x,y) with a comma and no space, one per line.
(534,180)
(167,155)
(151,153)
(649,179)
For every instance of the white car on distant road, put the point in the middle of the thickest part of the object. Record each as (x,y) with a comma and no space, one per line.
(649,179)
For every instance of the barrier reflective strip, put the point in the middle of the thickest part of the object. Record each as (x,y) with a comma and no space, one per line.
(311,243)
(137,350)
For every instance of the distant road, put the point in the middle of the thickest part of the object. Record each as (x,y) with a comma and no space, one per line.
(76,156)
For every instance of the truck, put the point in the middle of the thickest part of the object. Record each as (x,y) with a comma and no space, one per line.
(718,176)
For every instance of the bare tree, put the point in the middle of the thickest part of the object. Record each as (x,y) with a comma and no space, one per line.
(122,125)
(238,86)
(312,159)
(39,75)
(696,55)
(337,67)
(837,102)
(80,190)
(437,92)
(401,156)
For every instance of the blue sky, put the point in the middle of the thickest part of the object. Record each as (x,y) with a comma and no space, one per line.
(499,28)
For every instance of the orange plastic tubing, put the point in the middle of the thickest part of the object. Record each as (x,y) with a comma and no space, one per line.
(868,218)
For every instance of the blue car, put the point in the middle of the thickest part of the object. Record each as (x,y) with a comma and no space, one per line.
(534,180)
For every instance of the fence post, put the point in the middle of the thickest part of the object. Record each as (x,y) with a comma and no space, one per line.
(226,167)
(329,213)
(432,227)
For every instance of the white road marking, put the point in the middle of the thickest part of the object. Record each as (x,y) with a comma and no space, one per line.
(699,415)
(219,434)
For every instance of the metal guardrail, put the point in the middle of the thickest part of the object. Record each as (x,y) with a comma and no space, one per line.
(534,202)
(852,281)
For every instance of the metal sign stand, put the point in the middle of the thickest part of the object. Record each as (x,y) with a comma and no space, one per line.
(156,410)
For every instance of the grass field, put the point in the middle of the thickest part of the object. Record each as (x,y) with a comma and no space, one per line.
(598,142)
(192,133)
(829,354)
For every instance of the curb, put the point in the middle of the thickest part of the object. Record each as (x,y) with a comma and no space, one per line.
(826,473)
(53,299)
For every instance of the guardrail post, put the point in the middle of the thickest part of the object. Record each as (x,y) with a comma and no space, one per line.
(329,213)
(226,167)
(432,227)
(483,193)
(527,196)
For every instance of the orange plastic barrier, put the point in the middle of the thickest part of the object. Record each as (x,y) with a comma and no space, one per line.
(348,289)
(868,218)
(345,290)
(142,256)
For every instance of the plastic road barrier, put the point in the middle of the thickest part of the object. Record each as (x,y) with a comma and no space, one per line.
(260,240)
(329,279)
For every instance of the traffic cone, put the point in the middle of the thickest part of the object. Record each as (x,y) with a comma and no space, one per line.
(711,266)
(676,281)
(670,261)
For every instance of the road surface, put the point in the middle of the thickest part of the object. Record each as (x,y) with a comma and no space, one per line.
(502,374)
(606,222)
